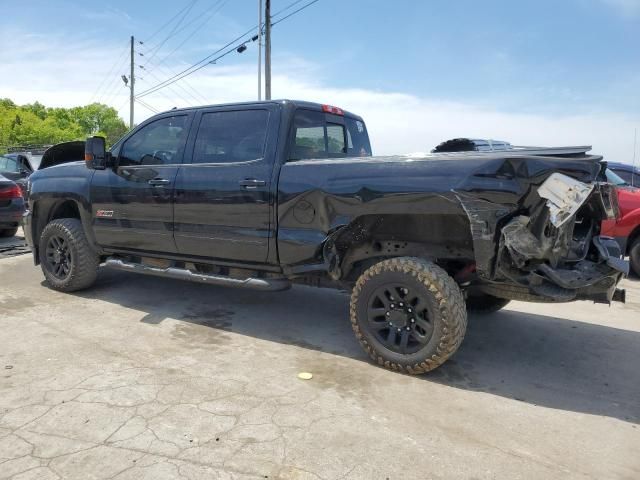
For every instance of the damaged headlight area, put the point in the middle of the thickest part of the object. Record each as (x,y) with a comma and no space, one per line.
(555,251)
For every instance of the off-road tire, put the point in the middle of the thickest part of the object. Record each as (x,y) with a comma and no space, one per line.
(8,232)
(447,307)
(84,261)
(485,304)
(634,256)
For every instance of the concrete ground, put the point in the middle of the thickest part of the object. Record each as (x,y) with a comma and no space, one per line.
(147,378)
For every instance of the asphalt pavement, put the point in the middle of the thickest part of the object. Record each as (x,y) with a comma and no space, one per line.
(149,378)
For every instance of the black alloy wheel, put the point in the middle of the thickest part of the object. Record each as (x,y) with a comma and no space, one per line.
(400,318)
(58,257)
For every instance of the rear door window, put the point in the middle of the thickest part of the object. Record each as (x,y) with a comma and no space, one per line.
(319,135)
(314,137)
(335,139)
(231,136)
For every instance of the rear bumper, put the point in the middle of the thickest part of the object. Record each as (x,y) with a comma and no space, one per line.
(11,214)
(593,279)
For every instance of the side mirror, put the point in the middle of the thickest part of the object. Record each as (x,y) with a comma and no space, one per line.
(95,154)
(24,173)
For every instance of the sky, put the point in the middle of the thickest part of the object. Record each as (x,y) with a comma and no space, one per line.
(561,72)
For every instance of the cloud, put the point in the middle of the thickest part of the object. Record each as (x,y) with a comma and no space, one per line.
(109,14)
(627,8)
(61,73)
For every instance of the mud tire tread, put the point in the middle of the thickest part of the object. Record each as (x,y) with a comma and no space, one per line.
(449,299)
(85,260)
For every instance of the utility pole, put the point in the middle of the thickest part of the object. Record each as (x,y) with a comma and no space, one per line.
(259,50)
(267,50)
(131,85)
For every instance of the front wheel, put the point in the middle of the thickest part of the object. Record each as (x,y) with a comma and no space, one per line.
(408,314)
(67,260)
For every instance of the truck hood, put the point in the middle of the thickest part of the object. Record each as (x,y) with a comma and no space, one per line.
(62,153)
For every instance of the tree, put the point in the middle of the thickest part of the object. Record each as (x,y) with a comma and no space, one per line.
(36,124)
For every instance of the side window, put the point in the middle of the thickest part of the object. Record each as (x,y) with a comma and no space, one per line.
(309,143)
(358,139)
(231,136)
(313,137)
(158,143)
(335,139)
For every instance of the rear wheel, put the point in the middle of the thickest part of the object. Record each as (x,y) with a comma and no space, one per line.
(8,232)
(67,260)
(408,314)
(634,256)
(485,304)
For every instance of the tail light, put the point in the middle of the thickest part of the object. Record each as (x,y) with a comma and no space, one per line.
(7,193)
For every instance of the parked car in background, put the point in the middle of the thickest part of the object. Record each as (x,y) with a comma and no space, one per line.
(628,173)
(11,207)
(16,167)
(626,228)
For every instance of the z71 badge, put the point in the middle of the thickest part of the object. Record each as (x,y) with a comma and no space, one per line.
(104,213)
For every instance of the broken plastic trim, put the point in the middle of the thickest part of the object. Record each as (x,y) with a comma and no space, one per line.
(564,196)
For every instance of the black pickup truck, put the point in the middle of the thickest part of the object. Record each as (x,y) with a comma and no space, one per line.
(262,195)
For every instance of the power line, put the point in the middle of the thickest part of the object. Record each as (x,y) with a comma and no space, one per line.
(288,7)
(205,59)
(168,22)
(175,92)
(221,4)
(237,44)
(111,70)
(147,106)
(157,48)
(294,12)
(166,83)
(209,13)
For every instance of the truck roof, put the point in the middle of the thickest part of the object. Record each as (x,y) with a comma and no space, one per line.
(284,101)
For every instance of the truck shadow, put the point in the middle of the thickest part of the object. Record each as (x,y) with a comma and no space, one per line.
(537,359)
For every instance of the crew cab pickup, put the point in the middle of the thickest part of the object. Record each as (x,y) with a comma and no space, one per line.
(263,195)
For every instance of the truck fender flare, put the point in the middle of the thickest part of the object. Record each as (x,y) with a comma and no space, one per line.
(42,218)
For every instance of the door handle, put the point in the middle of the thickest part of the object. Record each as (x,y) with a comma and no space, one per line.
(159,182)
(252,183)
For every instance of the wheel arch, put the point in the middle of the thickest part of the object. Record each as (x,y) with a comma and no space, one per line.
(46,210)
(352,248)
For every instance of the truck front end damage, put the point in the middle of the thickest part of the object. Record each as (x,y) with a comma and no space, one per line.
(548,247)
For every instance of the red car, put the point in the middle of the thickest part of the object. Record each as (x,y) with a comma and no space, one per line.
(626,229)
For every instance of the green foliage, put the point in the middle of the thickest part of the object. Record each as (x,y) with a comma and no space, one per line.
(36,124)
